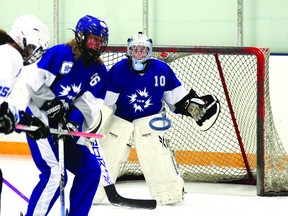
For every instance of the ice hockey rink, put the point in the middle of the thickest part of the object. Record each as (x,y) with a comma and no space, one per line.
(201,199)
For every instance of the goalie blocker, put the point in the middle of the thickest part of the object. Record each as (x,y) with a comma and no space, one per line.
(204,110)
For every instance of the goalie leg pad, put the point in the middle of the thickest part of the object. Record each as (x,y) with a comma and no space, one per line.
(157,162)
(115,148)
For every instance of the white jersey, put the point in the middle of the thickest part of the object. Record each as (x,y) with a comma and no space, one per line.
(11,63)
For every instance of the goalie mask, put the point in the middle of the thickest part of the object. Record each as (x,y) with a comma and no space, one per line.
(92,36)
(31,35)
(139,50)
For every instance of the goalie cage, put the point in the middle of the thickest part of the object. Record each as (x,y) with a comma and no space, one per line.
(243,146)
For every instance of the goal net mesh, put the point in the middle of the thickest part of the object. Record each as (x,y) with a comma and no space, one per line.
(243,145)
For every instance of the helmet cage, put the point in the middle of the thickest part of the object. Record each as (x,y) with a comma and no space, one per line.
(36,53)
(82,38)
(91,25)
(139,40)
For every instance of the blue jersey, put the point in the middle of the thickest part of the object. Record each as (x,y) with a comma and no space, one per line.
(82,89)
(139,95)
(61,76)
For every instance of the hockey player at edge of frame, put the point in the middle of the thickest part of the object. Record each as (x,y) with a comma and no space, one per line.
(137,87)
(23,45)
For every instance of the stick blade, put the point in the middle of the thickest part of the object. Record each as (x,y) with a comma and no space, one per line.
(117,200)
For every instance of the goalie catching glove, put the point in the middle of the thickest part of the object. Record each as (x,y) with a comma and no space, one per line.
(204,110)
(196,108)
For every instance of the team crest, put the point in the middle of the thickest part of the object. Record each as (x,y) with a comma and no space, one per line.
(140,100)
(70,91)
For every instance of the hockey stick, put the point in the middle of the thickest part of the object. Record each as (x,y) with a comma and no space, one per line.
(108,184)
(62,132)
(110,188)
(62,187)
(62,176)
(15,190)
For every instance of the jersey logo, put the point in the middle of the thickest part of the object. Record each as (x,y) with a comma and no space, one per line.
(70,92)
(66,67)
(140,100)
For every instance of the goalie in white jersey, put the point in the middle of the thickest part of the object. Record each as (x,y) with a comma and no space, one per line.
(138,87)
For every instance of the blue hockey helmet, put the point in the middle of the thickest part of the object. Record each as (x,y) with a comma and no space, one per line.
(89,25)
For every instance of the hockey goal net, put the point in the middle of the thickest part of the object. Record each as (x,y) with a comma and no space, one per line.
(243,146)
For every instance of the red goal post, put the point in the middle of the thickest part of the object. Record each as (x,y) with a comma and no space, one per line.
(243,146)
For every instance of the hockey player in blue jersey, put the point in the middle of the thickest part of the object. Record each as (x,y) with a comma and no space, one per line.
(138,87)
(68,86)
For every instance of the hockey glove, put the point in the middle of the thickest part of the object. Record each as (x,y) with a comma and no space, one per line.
(55,112)
(7,119)
(212,107)
(72,126)
(196,108)
(69,126)
(204,110)
(42,131)
(191,105)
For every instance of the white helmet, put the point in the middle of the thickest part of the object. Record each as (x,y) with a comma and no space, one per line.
(31,35)
(139,40)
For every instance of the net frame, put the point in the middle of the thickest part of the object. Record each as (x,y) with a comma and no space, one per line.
(266,138)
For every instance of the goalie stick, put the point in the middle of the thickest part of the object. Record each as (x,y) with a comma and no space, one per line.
(110,188)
